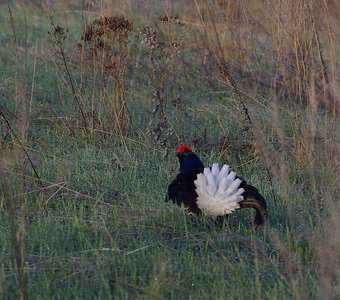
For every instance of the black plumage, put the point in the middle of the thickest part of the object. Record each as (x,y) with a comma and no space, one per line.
(182,190)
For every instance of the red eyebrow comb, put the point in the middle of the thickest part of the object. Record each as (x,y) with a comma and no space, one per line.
(181,149)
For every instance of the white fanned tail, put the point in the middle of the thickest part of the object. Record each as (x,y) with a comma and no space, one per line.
(218,191)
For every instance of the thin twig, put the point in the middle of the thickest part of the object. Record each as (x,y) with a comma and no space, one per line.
(22,147)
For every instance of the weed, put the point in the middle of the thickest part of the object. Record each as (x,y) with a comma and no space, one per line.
(106,48)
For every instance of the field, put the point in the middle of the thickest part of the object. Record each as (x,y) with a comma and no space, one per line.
(96,97)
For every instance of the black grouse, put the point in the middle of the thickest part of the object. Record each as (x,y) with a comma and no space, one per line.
(212,191)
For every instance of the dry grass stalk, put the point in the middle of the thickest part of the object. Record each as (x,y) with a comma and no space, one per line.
(327,243)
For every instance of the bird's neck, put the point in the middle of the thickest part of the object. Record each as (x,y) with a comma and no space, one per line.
(191,163)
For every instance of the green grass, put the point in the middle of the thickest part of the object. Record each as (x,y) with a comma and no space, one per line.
(100,228)
(113,236)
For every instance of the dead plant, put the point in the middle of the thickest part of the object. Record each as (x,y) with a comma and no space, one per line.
(105,43)
(163,44)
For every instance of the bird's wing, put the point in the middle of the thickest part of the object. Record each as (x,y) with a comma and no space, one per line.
(181,191)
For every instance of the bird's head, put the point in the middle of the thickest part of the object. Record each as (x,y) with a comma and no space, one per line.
(188,160)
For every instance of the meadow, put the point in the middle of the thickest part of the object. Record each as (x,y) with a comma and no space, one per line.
(96,97)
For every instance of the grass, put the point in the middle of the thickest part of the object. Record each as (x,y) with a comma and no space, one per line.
(98,227)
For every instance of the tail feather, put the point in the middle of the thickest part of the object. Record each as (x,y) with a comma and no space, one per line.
(218,192)
(224,172)
(253,199)
(215,170)
(231,177)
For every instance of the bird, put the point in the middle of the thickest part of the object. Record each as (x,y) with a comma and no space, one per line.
(213,192)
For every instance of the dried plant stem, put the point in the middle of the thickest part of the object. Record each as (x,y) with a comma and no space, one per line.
(59,35)
(22,147)
(33,78)
(72,86)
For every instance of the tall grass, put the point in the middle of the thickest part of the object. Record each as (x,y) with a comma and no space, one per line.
(85,162)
